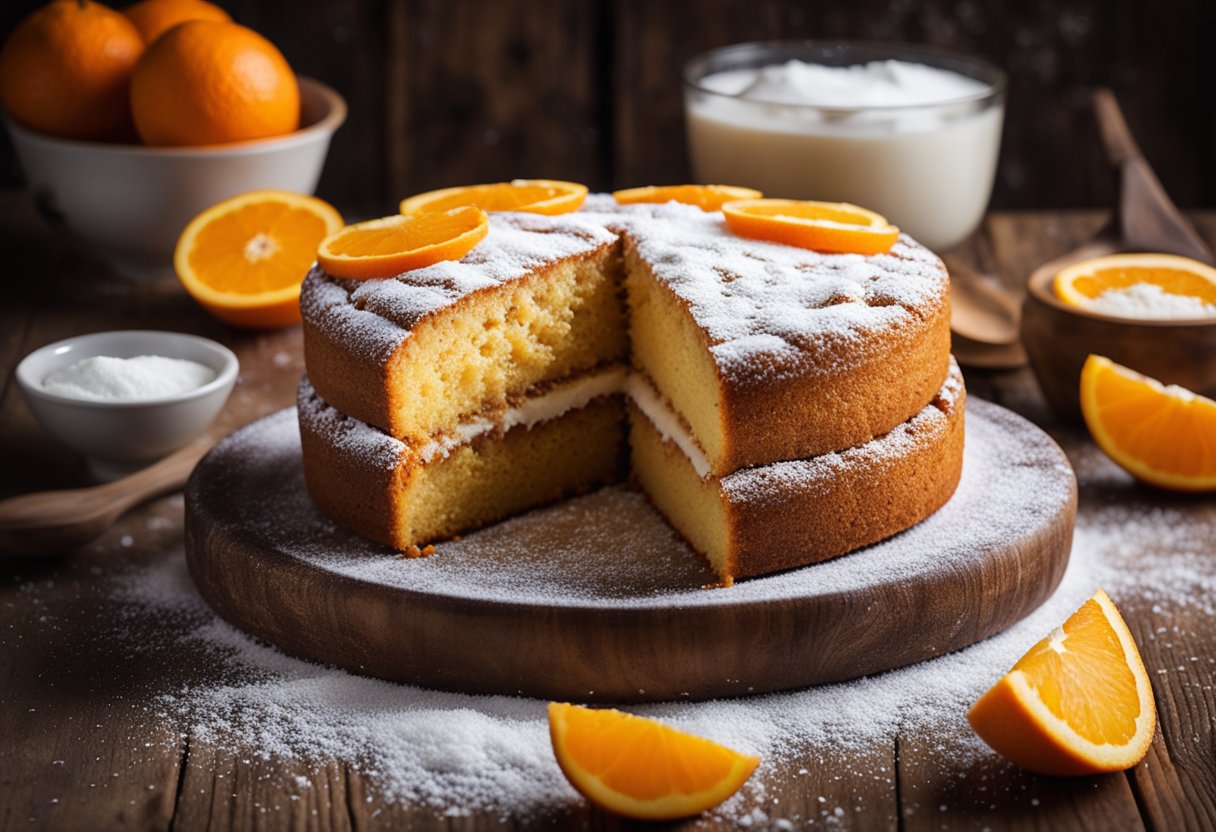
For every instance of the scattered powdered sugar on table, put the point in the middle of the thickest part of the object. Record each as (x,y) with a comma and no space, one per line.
(463,754)
(1149,301)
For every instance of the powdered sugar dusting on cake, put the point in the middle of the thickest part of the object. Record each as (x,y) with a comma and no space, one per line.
(771,310)
(348,436)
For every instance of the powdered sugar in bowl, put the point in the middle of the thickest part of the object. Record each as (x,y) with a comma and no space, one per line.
(126,398)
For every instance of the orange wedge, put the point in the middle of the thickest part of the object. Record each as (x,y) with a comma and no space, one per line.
(1081,284)
(705,197)
(835,227)
(1163,435)
(390,246)
(640,768)
(536,196)
(1079,702)
(244,258)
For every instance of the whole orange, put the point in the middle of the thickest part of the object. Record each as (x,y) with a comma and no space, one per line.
(155,17)
(204,82)
(64,70)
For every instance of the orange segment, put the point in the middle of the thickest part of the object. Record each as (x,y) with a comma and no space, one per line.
(536,196)
(244,258)
(705,197)
(1094,283)
(823,226)
(1165,436)
(640,768)
(1079,702)
(390,246)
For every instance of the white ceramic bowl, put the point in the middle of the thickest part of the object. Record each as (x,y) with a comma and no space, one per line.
(119,437)
(131,202)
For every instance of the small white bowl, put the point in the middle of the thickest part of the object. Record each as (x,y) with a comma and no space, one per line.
(119,437)
(131,202)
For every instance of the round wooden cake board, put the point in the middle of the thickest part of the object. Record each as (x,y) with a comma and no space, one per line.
(596,599)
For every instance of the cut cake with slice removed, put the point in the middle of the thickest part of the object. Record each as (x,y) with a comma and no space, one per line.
(742,355)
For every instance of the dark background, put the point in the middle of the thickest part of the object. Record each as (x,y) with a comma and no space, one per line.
(449,92)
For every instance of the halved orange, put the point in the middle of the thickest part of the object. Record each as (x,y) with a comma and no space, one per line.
(705,197)
(1163,435)
(244,258)
(1079,702)
(1081,284)
(640,768)
(535,196)
(392,245)
(836,227)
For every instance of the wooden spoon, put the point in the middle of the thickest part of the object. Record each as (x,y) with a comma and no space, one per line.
(1145,217)
(35,525)
(980,308)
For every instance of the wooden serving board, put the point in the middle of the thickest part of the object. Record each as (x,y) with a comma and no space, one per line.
(596,599)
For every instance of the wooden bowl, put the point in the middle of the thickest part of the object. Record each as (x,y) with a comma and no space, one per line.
(1058,338)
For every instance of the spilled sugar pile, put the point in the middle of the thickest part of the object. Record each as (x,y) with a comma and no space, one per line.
(462,754)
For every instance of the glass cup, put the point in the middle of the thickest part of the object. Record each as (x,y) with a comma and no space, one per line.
(928,168)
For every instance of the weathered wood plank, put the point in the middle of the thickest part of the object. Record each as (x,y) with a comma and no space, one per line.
(936,793)
(496,91)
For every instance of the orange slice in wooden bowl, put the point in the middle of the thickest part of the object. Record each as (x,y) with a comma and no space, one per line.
(244,258)
(835,227)
(640,768)
(535,196)
(1163,435)
(705,197)
(1079,702)
(392,245)
(1140,286)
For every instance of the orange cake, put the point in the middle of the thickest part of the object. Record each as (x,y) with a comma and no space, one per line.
(778,405)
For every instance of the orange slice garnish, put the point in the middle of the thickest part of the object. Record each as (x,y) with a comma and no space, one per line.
(392,245)
(1079,702)
(1163,435)
(705,197)
(244,259)
(835,227)
(640,768)
(1086,283)
(535,196)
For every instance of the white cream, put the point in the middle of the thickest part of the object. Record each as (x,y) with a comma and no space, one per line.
(574,395)
(906,140)
(665,421)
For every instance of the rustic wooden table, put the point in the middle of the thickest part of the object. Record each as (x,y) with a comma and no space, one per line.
(79,751)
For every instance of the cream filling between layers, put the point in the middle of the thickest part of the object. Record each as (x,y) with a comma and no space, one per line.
(574,395)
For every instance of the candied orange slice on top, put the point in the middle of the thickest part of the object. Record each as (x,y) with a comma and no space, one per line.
(535,196)
(1079,702)
(392,245)
(835,227)
(1163,435)
(705,197)
(640,768)
(243,259)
